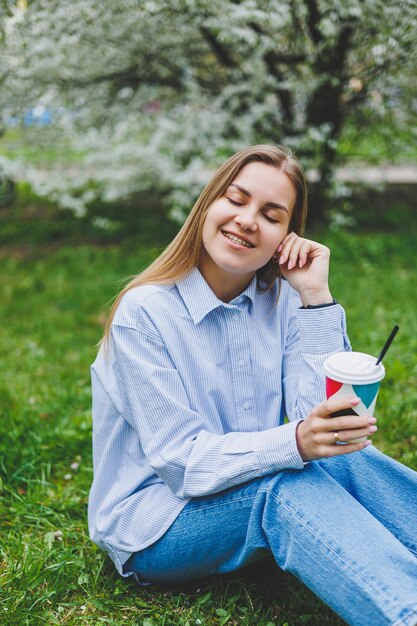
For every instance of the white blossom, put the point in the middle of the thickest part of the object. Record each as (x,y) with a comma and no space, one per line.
(154,94)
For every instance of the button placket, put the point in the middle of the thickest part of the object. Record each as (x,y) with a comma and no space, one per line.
(241,372)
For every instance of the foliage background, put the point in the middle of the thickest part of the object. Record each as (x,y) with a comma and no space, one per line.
(131,96)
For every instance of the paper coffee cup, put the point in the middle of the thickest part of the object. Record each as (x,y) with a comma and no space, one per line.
(351,374)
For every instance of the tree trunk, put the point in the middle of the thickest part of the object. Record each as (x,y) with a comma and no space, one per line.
(325,108)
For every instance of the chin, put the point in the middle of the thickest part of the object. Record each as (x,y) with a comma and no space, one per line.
(236,269)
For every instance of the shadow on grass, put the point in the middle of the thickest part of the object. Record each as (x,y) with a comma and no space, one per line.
(258,594)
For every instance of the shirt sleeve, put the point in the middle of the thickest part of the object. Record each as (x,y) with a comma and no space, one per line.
(180,444)
(313,335)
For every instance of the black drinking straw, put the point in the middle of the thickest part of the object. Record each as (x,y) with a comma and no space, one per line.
(387,344)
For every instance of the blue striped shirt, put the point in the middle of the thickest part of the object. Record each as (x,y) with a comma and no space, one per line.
(190,397)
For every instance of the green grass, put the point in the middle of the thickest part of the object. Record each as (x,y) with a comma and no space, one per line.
(373,141)
(39,146)
(53,296)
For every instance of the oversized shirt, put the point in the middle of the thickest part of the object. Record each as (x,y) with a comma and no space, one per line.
(190,398)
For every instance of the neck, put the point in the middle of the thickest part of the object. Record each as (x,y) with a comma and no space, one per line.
(224,285)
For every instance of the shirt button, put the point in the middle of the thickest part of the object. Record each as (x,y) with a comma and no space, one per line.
(235,316)
(241,362)
(246,405)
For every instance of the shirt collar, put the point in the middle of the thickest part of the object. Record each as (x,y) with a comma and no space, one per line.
(201,300)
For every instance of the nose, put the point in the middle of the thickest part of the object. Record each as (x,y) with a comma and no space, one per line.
(247,220)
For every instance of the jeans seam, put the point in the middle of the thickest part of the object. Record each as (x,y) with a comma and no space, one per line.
(410,549)
(321,540)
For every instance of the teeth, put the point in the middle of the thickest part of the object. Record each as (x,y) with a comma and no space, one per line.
(237,240)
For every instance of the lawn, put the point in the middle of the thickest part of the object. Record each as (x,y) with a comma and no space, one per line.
(54,293)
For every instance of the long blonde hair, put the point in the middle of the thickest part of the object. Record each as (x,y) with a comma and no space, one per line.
(184,252)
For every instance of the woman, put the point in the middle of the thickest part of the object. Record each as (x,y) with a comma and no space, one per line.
(204,355)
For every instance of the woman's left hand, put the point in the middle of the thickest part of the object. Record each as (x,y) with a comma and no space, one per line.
(305,265)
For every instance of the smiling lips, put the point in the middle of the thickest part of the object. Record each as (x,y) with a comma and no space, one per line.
(238,240)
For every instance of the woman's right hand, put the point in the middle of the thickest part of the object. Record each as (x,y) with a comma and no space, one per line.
(318,434)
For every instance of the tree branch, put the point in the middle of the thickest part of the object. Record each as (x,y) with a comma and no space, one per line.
(221,52)
(288,59)
(313,20)
(272,60)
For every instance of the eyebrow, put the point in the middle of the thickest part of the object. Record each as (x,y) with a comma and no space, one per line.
(272,205)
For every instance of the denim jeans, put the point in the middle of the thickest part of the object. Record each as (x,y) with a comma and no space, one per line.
(345,526)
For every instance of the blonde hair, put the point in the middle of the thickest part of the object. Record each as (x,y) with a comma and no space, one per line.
(184,252)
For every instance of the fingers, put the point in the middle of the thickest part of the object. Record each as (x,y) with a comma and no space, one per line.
(303,253)
(313,444)
(351,422)
(348,422)
(322,434)
(347,448)
(334,405)
(343,436)
(295,250)
(327,432)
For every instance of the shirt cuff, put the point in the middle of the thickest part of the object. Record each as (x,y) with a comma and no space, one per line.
(321,329)
(276,449)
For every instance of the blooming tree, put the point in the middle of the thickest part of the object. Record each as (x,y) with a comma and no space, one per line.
(156,93)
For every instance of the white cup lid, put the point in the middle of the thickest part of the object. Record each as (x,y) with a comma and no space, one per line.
(354,367)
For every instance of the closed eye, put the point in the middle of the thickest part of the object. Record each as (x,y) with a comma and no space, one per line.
(271,219)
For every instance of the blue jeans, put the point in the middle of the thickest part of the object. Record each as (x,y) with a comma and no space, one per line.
(345,526)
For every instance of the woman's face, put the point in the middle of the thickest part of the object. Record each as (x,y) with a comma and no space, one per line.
(244,227)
